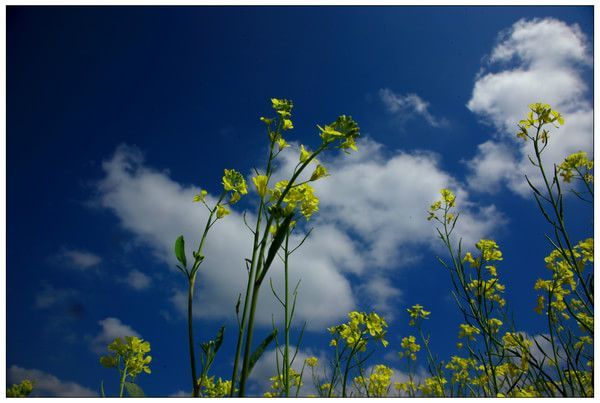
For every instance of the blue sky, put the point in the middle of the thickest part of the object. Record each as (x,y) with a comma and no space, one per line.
(116,116)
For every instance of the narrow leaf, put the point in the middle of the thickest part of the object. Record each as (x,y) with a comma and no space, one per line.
(277,241)
(219,339)
(180,250)
(260,350)
(134,390)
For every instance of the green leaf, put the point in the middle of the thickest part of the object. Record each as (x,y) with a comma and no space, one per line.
(277,241)
(180,250)
(260,350)
(219,339)
(134,390)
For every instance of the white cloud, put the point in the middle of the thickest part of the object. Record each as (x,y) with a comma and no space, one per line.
(46,385)
(50,296)
(373,211)
(111,329)
(409,105)
(138,280)
(79,259)
(540,60)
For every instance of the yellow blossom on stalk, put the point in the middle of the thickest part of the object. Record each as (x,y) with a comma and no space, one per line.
(408,386)
(282,143)
(287,124)
(282,106)
(469,259)
(234,181)
(359,329)
(222,211)
(378,383)
(433,386)
(277,385)
(448,197)
(299,196)
(410,346)
(579,163)
(539,115)
(468,331)
(519,345)
(201,196)
(212,388)
(304,154)
(344,129)
(312,361)
(460,368)
(494,325)
(260,181)
(417,312)
(447,201)
(131,352)
(319,172)
(489,249)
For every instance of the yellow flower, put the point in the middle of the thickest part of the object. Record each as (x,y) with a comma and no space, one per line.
(260,181)
(222,211)
(200,197)
(468,331)
(312,361)
(319,172)
(304,154)
(282,143)
(287,124)
(233,180)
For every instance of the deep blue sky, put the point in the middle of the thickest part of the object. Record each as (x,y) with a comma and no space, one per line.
(186,85)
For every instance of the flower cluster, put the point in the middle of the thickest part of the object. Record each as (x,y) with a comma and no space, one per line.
(301,196)
(539,115)
(460,368)
(359,329)
(214,388)
(563,282)
(378,383)
(277,385)
(433,386)
(130,354)
(416,313)
(410,346)
(344,130)
(445,204)
(579,163)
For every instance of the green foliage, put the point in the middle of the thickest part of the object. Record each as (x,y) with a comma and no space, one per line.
(22,389)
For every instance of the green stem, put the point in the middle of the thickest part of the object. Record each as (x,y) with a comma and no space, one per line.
(286,358)
(195,388)
(191,284)
(122,381)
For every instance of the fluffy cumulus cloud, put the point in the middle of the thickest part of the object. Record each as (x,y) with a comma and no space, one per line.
(78,259)
(137,280)
(47,385)
(111,329)
(372,221)
(409,105)
(540,60)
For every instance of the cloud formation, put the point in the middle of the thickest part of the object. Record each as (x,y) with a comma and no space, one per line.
(372,222)
(79,259)
(137,280)
(111,329)
(409,105)
(47,385)
(540,60)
